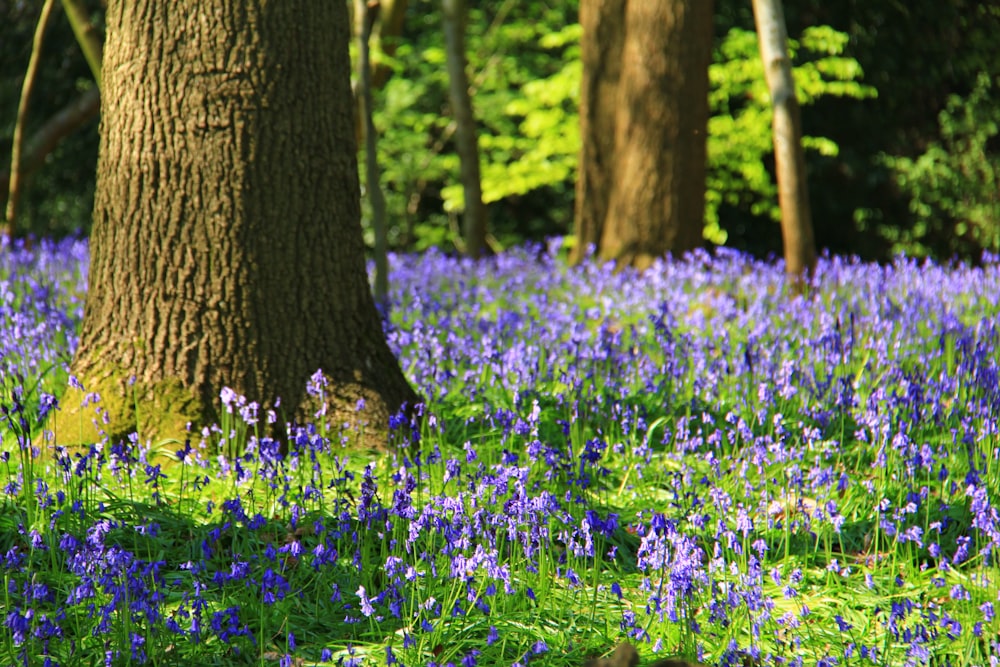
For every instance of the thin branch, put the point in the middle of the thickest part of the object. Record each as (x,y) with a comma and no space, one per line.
(64,123)
(30,76)
(87,36)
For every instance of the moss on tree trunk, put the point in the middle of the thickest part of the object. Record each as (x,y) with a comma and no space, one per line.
(227,248)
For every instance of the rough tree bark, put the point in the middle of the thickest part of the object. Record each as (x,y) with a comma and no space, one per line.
(226,248)
(790,161)
(466,139)
(603,24)
(644,117)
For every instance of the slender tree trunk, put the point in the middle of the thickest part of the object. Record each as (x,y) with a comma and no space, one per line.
(790,163)
(364,18)
(644,123)
(30,75)
(87,36)
(66,121)
(226,248)
(474,221)
(385,37)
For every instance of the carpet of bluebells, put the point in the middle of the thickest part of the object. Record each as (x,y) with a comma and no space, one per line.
(696,458)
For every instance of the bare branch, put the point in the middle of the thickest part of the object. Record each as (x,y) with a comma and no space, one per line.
(30,76)
(64,123)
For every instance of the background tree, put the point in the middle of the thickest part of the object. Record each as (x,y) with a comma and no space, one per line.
(26,157)
(365,13)
(910,169)
(17,143)
(601,47)
(466,136)
(60,150)
(918,57)
(226,249)
(790,161)
(387,18)
(88,36)
(387,27)
(645,87)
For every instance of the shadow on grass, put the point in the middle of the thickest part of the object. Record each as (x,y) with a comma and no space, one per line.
(176,584)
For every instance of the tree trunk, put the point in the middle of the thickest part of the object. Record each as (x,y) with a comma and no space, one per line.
(226,248)
(474,217)
(87,36)
(790,162)
(385,37)
(363,20)
(387,17)
(651,176)
(65,122)
(30,76)
(601,47)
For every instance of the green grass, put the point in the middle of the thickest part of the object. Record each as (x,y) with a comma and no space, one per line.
(690,459)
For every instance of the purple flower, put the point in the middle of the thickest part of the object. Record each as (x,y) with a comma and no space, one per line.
(366,605)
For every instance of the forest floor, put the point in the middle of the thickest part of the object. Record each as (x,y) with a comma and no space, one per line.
(695,459)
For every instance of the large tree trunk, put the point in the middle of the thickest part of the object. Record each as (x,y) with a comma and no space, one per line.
(603,24)
(226,248)
(652,179)
(789,158)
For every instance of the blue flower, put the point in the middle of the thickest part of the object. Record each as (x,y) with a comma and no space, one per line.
(366,606)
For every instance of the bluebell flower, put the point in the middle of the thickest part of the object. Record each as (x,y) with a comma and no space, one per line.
(366,606)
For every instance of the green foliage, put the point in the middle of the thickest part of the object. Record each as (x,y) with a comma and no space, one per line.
(409,155)
(526,77)
(546,147)
(524,66)
(688,454)
(739,129)
(58,198)
(953,184)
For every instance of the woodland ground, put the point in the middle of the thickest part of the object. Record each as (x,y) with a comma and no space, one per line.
(693,458)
